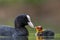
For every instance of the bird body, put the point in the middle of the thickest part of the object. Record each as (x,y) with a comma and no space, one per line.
(19,32)
(43,34)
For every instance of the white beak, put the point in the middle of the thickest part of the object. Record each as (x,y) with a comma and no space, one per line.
(31,24)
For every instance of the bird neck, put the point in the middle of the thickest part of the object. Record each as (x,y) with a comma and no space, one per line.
(17,26)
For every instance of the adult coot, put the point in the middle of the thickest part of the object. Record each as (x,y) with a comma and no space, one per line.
(19,32)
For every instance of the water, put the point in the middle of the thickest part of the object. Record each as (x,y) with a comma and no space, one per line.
(13,38)
(26,38)
(47,38)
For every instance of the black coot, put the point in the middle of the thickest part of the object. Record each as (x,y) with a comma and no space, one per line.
(19,32)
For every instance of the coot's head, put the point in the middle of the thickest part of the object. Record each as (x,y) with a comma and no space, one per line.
(23,20)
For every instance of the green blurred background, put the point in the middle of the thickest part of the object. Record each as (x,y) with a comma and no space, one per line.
(43,12)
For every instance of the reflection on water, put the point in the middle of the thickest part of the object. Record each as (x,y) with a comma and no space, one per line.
(52,39)
(20,38)
(31,38)
(14,38)
(48,38)
(6,38)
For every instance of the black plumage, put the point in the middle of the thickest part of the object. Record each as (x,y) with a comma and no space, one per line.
(19,32)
